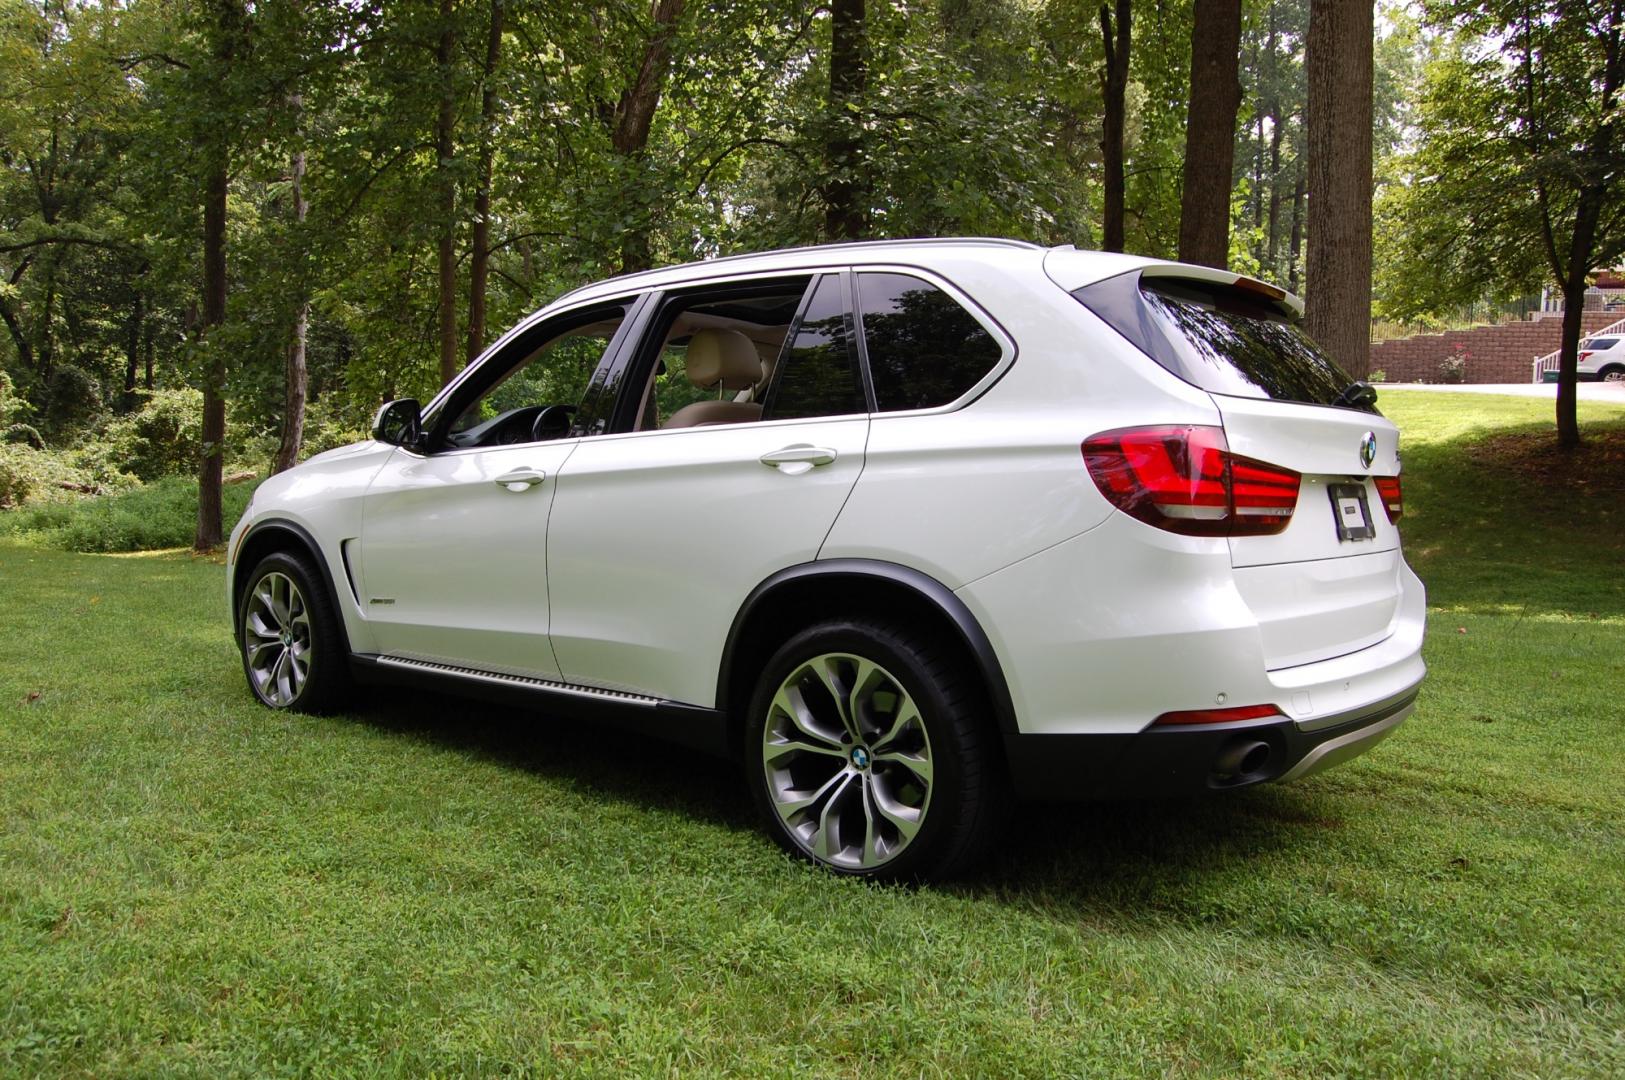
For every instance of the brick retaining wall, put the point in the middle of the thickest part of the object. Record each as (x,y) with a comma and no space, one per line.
(1496,354)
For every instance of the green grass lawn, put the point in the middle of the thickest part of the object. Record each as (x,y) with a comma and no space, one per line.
(190,884)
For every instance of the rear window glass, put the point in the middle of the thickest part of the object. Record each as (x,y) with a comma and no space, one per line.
(1219,338)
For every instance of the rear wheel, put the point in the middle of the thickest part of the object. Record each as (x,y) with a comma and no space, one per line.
(292,645)
(1612,373)
(869,754)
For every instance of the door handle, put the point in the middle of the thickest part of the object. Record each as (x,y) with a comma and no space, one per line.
(795,460)
(521,479)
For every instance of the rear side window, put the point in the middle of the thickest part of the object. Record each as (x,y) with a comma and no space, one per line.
(1220,338)
(924,349)
(818,373)
(1601,343)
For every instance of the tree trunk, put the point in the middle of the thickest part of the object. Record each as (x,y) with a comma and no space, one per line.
(845,193)
(132,348)
(1210,133)
(296,377)
(1568,420)
(209,531)
(1272,107)
(228,17)
(1339,62)
(634,116)
(1116,35)
(444,130)
(479,255)
(1295,249)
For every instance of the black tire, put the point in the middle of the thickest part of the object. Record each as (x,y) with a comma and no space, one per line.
(1611,372)
(969,800)
(326,685)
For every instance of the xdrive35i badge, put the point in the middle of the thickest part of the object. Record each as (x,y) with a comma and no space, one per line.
(1368,448)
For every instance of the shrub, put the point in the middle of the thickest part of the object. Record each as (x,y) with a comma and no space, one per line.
(1453,368)
(29,474)
(162,514)
(16,479)
(1377,376)
(163,437)
(25,435)
(13,409)
(75,399)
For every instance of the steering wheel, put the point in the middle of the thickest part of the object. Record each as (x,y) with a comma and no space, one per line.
(515,427)
(553,422)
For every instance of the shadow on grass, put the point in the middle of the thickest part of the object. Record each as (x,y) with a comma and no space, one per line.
(1110,860)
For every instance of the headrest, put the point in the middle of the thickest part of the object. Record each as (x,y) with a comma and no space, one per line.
(724,357)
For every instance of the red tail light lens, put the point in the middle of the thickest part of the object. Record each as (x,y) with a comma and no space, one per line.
(1584,357)
(1218,716)
(1185,480)
(1393,500)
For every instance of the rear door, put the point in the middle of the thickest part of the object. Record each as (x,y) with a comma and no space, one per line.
(658,536)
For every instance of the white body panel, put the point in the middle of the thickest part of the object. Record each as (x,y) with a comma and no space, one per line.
(658,537)
(453,564)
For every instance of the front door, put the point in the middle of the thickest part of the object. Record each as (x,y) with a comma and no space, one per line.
(452,556)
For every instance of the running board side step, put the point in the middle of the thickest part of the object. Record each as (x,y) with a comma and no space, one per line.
(694,726)
(501,679)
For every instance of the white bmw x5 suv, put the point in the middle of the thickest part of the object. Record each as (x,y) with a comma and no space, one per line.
(906,527)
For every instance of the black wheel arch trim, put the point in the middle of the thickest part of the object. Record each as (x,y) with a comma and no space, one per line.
(312,548)
(934,592)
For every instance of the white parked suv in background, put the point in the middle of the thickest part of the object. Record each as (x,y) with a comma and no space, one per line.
(906,527)
(1602,358)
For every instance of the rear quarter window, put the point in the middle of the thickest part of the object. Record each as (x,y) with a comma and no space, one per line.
(1223,339)
(924,349)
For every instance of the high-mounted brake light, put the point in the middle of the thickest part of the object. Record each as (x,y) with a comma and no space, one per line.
(1218,716)
(1185,480)
(1393,498)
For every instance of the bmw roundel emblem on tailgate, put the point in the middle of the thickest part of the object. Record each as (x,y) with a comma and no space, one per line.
(1368,448)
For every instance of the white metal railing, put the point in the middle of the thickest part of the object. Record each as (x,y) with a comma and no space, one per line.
(1546,363)
(1595,300)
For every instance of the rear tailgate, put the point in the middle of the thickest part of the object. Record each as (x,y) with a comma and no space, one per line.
(1317,590)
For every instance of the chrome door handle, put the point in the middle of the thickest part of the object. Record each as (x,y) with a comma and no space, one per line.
(521,479)
(795,460)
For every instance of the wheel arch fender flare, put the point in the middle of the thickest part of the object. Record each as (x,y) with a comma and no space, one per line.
(280,534)
(951,611)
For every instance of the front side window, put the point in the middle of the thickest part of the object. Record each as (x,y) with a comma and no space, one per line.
(818,374)
(547,369)
(924,349)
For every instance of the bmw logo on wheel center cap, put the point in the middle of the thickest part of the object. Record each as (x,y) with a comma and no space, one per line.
(860,757)
(1368,448)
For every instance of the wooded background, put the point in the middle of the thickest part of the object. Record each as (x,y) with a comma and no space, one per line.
(229,230)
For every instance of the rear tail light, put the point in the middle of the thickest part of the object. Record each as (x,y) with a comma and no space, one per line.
(1185,480)
(1584,357)
(1393,499)
(1218,716)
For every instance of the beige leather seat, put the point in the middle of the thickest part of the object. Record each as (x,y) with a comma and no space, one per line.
(719,359)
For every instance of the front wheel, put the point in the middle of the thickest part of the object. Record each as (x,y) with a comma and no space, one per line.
(292,646)
(870,753)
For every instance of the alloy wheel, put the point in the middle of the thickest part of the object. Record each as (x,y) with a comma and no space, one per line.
(276,639)
(847,760)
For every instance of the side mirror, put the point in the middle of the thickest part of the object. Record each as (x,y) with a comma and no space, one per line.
(397,423)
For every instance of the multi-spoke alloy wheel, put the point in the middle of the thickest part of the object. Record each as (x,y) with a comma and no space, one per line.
(277,639)
(847,761)
(293,644)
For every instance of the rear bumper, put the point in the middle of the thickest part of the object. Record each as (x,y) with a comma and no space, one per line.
(1179,761)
